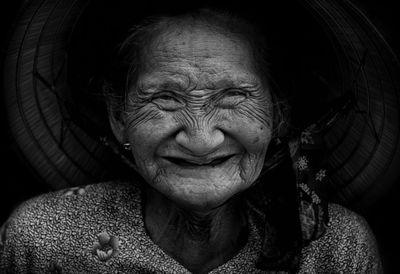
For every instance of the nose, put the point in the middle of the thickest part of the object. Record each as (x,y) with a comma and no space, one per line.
(200,140)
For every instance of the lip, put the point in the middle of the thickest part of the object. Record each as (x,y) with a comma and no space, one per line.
(192,162)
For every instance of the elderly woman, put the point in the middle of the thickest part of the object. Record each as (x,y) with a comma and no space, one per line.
(200,118)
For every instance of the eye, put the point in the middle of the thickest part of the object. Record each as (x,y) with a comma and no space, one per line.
(166,100)
(232,97)
(236,92)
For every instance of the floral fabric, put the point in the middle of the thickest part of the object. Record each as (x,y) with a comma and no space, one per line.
(100,229)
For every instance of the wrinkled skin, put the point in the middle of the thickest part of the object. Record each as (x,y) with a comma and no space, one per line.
(198,99)
(199,120)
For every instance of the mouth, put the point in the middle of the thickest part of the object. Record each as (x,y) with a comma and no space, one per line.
(194,163)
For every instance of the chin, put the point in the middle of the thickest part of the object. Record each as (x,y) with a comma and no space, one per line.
(201,188)
(201,196)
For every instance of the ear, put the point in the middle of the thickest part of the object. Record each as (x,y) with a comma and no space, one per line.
(117,121)
(117,126)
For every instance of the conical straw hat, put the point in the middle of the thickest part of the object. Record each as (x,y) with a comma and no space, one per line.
(61,140)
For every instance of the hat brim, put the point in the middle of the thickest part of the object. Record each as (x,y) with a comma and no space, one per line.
(364,151)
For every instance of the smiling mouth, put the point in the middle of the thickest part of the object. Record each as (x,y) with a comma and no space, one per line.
(188,163)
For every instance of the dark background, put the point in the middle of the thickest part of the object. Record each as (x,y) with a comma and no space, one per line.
(18,183)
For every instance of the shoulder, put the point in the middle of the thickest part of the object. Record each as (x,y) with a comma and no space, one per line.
(56,223)
(75,200)
(348,245)
(348,225)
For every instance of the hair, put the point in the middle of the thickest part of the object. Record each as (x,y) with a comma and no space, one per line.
(132,52)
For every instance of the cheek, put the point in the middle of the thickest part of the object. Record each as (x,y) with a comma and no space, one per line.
(253,130)
(255,138)
(148,124)
(256,141)
(254,134)
(147,128)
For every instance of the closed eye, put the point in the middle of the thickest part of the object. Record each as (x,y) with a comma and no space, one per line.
(232,97)
(166,100)
(164,96)
(236,92)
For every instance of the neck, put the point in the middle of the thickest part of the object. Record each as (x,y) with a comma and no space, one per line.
(199,240)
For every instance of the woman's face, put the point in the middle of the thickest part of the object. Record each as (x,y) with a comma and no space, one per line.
(199,118)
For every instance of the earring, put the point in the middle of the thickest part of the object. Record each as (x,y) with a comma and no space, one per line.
(127,146)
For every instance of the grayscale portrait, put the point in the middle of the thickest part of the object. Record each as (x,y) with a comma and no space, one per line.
(198,137)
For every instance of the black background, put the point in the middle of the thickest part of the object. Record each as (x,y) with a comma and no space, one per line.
(18,183)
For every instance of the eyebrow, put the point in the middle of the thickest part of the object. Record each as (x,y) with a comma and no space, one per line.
(181,84)
(169,84)
(238,82)
(163,83)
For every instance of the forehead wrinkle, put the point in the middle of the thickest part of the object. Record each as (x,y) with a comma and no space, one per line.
(183,82)
(178,41)
(177,60)
(169,67)
(198,70)
(225,79)
(164,80)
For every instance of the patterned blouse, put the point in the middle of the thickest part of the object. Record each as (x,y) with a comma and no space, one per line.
(100,229)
